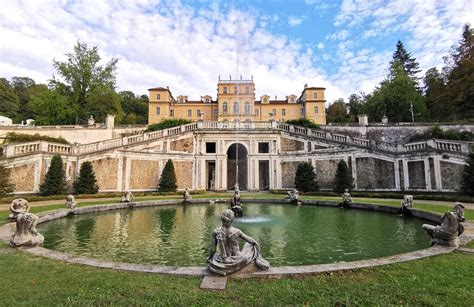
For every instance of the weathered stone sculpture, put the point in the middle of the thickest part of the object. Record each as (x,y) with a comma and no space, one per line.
(127,197)
(448,232)
(225,256)
(70,202)
(186,196)
(346,199)
(459,210)
(235,203)
(293,196)
(26,233)
(406,204)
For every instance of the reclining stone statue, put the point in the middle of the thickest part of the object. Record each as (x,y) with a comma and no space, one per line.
(235,203)
(225,257)
(127,197)
(70,202)
(459,210)
(26,233)
(448,232)
(186,196)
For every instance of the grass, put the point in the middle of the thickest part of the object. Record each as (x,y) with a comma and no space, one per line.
(470,244)
(440,280)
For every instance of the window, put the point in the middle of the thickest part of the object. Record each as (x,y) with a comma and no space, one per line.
(208,100)
(236,107)
(315,109)
(158,110)
(210,147)
(216,113)
(225,89)
(158,97)
(198,112)
(292,99)
(171,113)
(247,90)
(256,112)
(274,112)
(224,108)
(181,99)
(302,112)
(283,112)
(263,147)
(264,99)
(190,113)
(247,107)
(315,95)
(235,89)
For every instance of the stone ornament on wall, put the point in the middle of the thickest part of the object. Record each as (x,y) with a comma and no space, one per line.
(26,233)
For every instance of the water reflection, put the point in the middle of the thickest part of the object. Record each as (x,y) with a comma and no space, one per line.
(288,235)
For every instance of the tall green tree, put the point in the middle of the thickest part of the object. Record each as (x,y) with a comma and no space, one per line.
(87,79)
(410,66)
(467,181)
(434,89)
(168,178)
(9,102)
(305,178)
(102,101)
(460,75)
(51,107)
(394,98)
(86,182)
(356,106)
(54,182)
(343,178)
(5,183)
(26,88)
(135,108)
(337,112)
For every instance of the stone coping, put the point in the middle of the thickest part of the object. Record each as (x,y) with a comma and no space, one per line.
(7,231)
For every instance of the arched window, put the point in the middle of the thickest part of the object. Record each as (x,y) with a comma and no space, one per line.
(236,107)
(247,107)
(224,108)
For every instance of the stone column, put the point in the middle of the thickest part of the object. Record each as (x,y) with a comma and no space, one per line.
(256,175)
(397,175)
(278,174)
(119,174)
(128,167)
(224,174)
(427,174)
(406,179)
(437,172)
(354,171)
(37,178)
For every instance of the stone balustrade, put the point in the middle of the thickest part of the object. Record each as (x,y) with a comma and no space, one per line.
(43,146)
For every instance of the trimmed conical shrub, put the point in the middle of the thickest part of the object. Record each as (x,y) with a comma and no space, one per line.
(343,179)
(305,178)
(86,182)
(168,178)
(54,182)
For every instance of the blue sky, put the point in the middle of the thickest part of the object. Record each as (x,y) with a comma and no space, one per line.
(344,45)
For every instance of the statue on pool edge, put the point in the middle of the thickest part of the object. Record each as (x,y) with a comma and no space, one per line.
(235,203)
(230,258)
(26,233)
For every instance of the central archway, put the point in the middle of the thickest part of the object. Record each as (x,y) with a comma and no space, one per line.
(237,156)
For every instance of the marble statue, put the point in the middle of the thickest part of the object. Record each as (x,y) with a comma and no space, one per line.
(70,202)
(459,210)
(235,203)
(186,196)
(127,197)
(448,232)
(225,256)
(293,196)
(406,204)
(26,233)
(346,199)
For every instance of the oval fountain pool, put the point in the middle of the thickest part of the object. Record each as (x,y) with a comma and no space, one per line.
(288,235)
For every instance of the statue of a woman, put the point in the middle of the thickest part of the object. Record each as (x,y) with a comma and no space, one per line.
(230,259)
(26,233)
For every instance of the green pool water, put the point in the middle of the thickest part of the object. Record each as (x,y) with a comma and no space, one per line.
(288,235)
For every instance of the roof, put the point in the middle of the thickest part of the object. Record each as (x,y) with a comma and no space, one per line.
(276,102)
(158,89)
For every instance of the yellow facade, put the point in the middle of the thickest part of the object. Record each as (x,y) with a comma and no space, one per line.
(236,102)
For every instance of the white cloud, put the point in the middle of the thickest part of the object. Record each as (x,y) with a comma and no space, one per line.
(295,21)
(169,44)
(320,46)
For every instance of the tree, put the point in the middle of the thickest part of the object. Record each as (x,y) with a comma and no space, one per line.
(54,182)
(467,181)
(337,112)
(84,75)
(86,182)
(134,107)
(394,98)
(168,178)
(5,183)
(102,101)
(9,103)
(25,88)
(460,76)
(343,179)
(305,178)
(51,107)
(409,64)
(434,89)
(356,106)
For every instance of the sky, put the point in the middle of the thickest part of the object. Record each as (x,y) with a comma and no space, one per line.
(344,46)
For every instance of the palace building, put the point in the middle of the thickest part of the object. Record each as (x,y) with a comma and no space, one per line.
(236,102)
